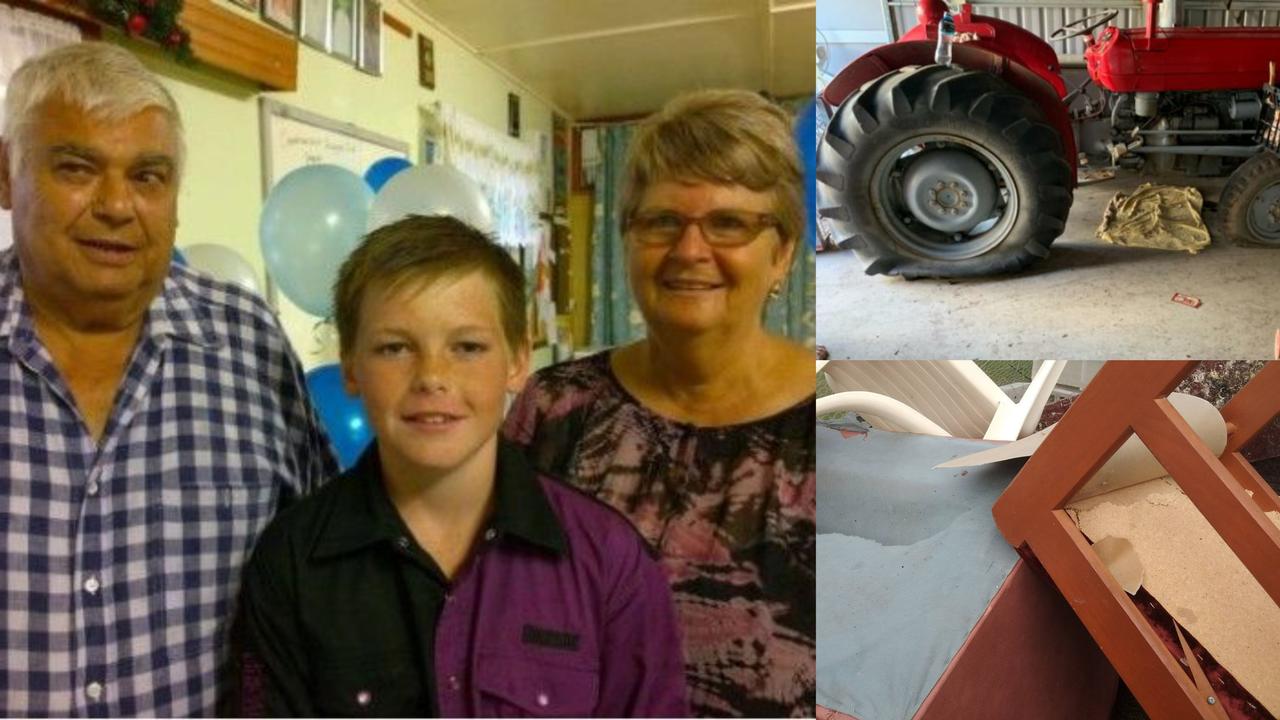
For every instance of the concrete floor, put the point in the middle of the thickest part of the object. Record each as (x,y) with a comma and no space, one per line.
(1087,301)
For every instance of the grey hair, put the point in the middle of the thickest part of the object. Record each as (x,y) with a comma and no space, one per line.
(106,81)
(719,136)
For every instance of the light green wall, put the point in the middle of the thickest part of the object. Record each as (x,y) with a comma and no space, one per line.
(221,195)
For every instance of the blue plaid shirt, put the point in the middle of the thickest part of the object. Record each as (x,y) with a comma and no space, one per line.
(120,561)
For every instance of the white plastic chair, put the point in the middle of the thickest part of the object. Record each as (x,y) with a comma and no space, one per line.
(940,397)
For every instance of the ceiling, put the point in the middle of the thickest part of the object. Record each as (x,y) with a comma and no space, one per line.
(600,59)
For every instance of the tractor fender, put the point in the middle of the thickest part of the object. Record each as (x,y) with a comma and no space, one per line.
(1002,38)
(887,58)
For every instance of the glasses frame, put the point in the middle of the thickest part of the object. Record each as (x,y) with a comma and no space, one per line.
(761,221)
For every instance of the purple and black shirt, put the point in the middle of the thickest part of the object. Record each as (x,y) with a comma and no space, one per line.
(560,611)
(730,511)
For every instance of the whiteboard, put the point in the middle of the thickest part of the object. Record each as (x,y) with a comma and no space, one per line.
(292,138)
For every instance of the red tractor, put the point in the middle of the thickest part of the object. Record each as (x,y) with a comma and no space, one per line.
(968,168)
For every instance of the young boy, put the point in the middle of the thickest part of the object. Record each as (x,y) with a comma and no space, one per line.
(440,576)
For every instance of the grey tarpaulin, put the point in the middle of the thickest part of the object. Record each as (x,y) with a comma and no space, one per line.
(908,559)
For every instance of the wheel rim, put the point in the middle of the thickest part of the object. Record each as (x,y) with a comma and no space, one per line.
(921,186)
(1264,215)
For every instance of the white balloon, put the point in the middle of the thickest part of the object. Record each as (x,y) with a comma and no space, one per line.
(222,263)
(431,190)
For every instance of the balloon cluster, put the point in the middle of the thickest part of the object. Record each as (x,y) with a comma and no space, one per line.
(316,215)
(311,221)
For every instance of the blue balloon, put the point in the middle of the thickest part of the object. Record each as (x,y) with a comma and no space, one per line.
(342,415)
(312,219)
(383,170)
(807,138)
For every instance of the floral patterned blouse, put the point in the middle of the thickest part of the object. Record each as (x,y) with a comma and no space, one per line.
(730,510)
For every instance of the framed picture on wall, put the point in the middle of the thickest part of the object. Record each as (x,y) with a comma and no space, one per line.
(247,4)
(426,62)
(314,29)
(282,14)
(342,29)
(370,37)
(513,115)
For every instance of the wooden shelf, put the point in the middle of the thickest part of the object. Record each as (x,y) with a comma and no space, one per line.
(225,40)
(220,38)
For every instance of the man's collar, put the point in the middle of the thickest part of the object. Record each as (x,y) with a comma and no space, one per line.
(177,313)
(174,312)
(362,513)
(10,293)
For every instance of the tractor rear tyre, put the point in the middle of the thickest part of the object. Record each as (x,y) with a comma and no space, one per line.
(1249,207)
(939,171)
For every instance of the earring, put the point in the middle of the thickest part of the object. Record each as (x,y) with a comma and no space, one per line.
(775,291)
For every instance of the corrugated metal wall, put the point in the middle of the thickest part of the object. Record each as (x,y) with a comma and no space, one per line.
(1043,16)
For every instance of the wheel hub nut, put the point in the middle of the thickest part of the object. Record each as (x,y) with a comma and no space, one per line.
(948,190)
(949,198)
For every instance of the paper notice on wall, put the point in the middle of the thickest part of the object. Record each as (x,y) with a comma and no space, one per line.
(1152,530)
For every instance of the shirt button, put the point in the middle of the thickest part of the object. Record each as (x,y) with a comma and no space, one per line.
(454,683)
(92,489)
(94,690)
(543,700)
(91,586)
(490,534)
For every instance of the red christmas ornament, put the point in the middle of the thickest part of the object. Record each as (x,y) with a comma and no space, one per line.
(136,25)
(175,38)
(149,4)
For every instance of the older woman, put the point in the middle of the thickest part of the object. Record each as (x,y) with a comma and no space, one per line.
(702,433)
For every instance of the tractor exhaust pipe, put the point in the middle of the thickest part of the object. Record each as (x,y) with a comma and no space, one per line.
(1146,104)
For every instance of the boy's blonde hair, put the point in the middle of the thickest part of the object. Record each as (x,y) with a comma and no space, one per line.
(425,249)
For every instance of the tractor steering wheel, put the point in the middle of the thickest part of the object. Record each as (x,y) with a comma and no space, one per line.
(1102,19)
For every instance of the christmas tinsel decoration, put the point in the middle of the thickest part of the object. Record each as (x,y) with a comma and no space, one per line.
(156,20)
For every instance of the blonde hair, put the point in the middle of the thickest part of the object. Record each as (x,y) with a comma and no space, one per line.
(724,137)
(106,81)
(424,249)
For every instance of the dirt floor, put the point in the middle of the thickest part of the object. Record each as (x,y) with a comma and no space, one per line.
(1088,300)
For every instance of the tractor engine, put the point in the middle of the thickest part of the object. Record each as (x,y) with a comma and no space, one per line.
(1183,96)
(1203,133)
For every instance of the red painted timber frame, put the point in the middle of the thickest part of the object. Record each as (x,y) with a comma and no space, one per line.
(1130,397)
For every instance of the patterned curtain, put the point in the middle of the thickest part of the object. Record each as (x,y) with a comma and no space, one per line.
(614,318)
(24,35)
(793,314)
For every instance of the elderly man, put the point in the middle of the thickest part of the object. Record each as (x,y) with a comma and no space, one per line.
(153,419)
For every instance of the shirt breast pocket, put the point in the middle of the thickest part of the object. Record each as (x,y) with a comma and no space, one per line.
(514,685)
(211,510)
(379,686)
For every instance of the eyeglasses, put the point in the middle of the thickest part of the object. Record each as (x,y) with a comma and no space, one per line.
(720,228)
